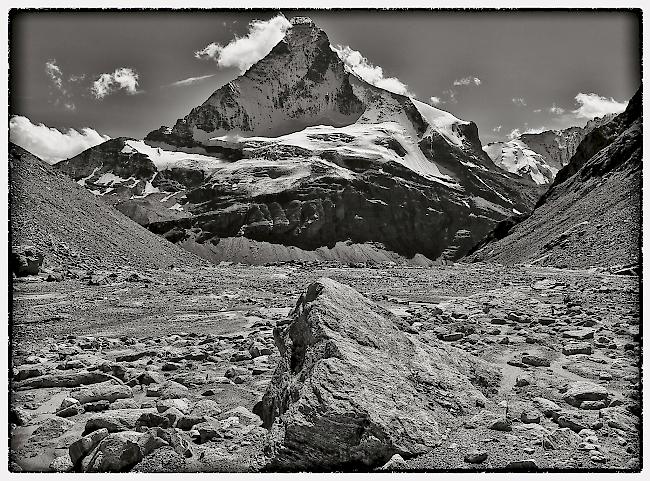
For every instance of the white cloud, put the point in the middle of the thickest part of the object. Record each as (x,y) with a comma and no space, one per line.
(468,81)
(515,133)
(497,129)
(436,100)
(519,101)
(123,78)
(536,130)
(451,93)
(555,110)
(537,111)
(63,95)
(51,144)
(190,81)
(593,105)
(243,52)
(357,63)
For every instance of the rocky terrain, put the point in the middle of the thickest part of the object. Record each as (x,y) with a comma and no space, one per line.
(71,229)
(241,368)
(299,156)
(539,156)
(591,214)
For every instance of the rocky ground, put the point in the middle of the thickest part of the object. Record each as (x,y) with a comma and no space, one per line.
(162,370)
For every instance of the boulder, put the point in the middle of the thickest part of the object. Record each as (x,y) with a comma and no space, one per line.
(102,391)
(328,405)
(576,347)
(25,261)
(83,446)
(116,420)
(67,379)
(580,391)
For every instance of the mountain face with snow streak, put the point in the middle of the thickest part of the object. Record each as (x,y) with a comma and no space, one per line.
(306,154)
(539,156)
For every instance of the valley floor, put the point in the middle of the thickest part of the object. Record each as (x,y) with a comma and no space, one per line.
(211,331)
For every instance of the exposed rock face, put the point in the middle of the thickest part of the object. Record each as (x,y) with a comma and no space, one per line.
(352,389)
(539,156)
(25,261)
(591,214)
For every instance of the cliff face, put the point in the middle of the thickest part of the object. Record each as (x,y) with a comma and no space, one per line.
(591,214)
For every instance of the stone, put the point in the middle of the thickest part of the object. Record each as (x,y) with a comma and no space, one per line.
(207,431)
(25,260)
(207,407)
(51,427)
(455,336)
(181,404)
(536,361)
(531,417)
(547,407)
(523,465)
(66,379)
(86,444)
(115,420)
(115,453)
(522,381)
(579,334)
(173,390)
(580,391)
(395,464)
(61,464)
(570,420)
(108,391)
(329,406)
(573,348)
(561,438)
(476,457)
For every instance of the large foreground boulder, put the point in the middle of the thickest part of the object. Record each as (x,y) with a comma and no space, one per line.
(352,389)
(26,261)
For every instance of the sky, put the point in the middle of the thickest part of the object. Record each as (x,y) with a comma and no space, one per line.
(109,74)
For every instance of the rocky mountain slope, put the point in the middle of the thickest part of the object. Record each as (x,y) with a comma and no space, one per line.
(539,156)
(591,214)
(73,228)
(298,152)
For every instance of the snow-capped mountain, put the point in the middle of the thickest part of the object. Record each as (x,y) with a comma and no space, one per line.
(300,152)
(539,156)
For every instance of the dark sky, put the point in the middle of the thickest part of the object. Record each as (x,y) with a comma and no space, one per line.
(541,59)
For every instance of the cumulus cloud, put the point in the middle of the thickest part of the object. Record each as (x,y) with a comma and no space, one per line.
(470,80)
(243,52)
(593,105)
(62,94)
(190,81)
(436,100)
(515,133)
(497,129)
(537,111)
(519,101)
(51,144)
(123,78)
(536,130)
(451,94)
(555,110)
(355,62)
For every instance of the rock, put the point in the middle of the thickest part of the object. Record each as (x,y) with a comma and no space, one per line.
(163,460)
(61,464)
(573,348)
(207,431)
(562,438)
(102,391)
(151,420)
(523,465)
(208,407)
(68,379)
(570,420)
(584,391)
(134,355)
(187,422)
(115,420)
(536,361)
(115,453)
(235,371)
(98,406)
(28,372)
(619,418)
(531,417)
(522,381)
(171,366)
(329,406)
(83,446)
(181,404)
(125,404)
(501,424)
(476,457)
(548,408)
(451,337)
(579,334)
(173,390)
(51,427)
(19,416)
(395,463)
(70,411)
(25,261)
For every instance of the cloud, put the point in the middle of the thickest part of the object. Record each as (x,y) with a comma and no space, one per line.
(497,129)
(62,95)
(355,62)
(515,133)
(519,101)
(123,78)
(243,52)
(436,100)
(468,81)
(555,110)
(537,130)
(537,111)
(593,105)
(451,94)
(51,144)
(190,81)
